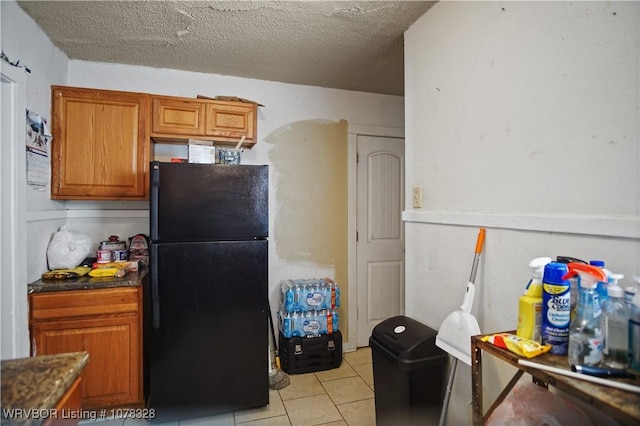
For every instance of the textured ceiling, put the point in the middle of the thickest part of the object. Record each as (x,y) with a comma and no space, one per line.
(353,45)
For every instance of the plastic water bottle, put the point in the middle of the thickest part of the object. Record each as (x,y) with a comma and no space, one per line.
(601,288)
(629,294)
(335,320)
(585,335)
(615,326)
(634,334)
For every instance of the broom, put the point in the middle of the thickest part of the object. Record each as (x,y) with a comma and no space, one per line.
(457,328)
(277,378)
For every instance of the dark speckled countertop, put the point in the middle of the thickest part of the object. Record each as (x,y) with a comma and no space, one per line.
(132,279)
(37,383)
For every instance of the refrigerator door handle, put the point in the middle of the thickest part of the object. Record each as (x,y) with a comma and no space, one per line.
(155,294)
(153,210)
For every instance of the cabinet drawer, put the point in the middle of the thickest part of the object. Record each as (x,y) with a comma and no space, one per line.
(66,304)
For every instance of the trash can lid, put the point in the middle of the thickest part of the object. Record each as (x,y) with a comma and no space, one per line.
(407,339)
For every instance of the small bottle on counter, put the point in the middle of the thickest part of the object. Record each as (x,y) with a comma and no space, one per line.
(634,334)
(629,294)
(615,328)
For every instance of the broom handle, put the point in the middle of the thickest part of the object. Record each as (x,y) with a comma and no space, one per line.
(476,258)
(273,336)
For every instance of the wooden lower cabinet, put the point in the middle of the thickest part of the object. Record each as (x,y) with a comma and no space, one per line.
(107,323)
(71,401)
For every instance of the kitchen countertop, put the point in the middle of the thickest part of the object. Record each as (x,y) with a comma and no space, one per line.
(132,279)
(38,383)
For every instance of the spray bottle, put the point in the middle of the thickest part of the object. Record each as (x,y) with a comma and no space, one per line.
(574,282)
(585,335)
(530,304)
(556,308)
(634,334)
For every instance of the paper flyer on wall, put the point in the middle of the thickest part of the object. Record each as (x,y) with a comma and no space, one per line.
(38,163)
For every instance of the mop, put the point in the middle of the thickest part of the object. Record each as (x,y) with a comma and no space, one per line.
(454,335)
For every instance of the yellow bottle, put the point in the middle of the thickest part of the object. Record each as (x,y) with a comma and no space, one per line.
(530,304)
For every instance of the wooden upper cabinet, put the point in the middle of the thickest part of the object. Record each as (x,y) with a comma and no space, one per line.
(176,120)
(100,147)
(231,120)
(177,116)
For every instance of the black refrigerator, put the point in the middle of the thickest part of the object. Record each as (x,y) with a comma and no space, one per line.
(206,326)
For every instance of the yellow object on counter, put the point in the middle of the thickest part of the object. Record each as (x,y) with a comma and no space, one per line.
(523,347)
(63,274)
(112,269)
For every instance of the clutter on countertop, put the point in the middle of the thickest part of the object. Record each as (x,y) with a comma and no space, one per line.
(113,266)
(65,274)
(523,347)
(133,278)
(112,250)
(139,249)
(597,335)
(112,256)
(112,269)
(67,248)
(204,152)
(585,340)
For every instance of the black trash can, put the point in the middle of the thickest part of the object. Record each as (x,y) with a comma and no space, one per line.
(408,372)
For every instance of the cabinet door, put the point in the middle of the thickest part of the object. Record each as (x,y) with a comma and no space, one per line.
(175,116)
(100,147)
(230,121)
(113,374)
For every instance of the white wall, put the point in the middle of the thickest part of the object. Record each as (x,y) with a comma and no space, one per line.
(521,117)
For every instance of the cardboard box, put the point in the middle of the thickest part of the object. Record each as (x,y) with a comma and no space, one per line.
(202,152)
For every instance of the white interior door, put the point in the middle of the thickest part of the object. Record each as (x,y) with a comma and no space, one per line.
(380,232)
(13,253)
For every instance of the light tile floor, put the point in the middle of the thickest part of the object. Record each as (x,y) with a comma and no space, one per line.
(339,397)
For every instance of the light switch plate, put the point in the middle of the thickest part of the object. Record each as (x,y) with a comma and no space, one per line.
(417,197)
